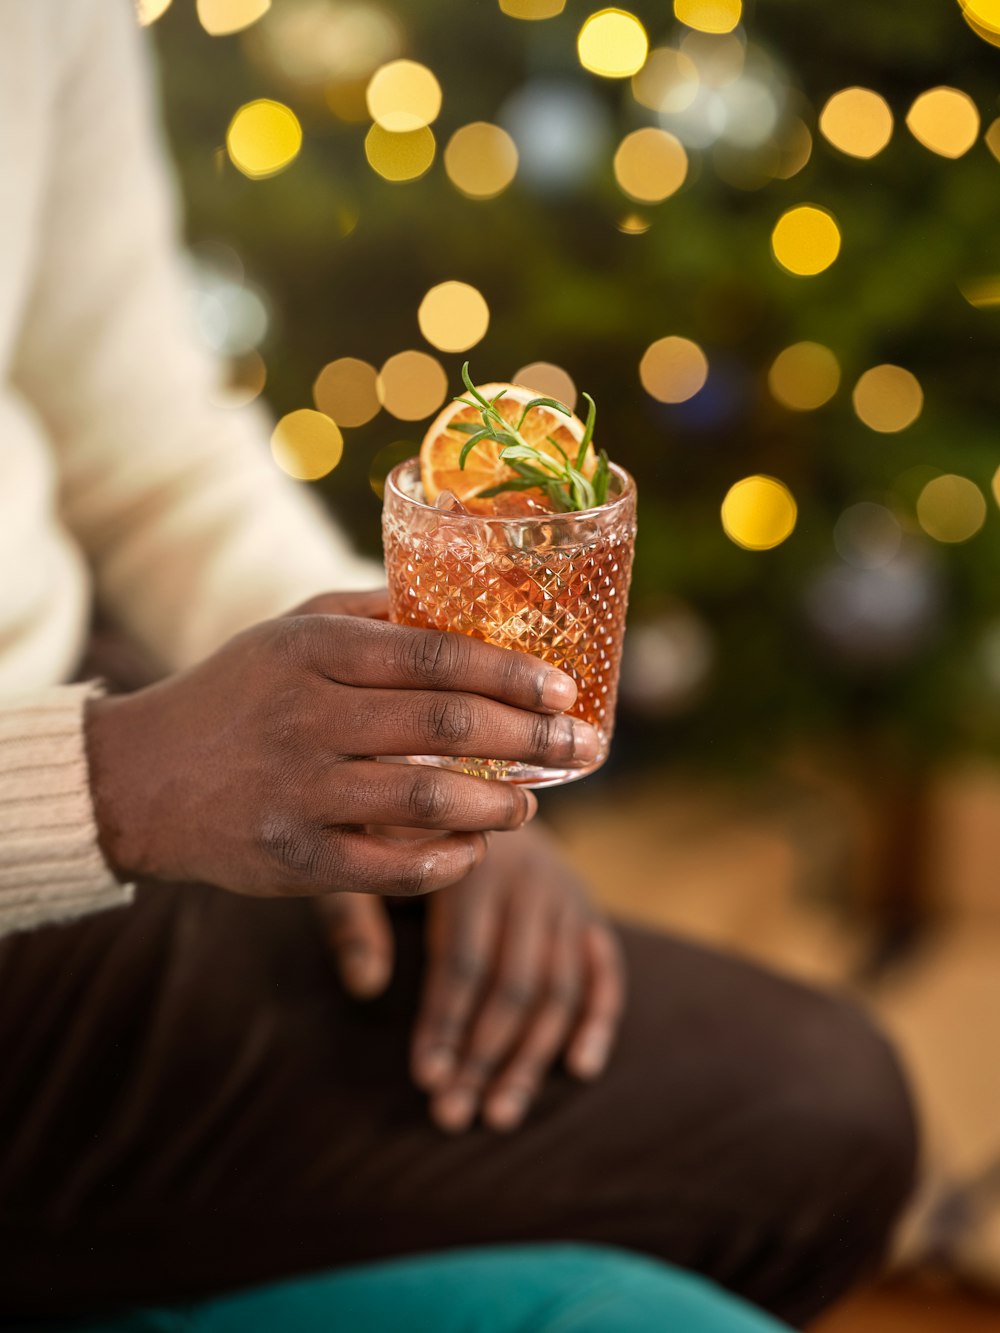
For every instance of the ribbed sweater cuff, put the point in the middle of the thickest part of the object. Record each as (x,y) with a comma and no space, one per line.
(51,867)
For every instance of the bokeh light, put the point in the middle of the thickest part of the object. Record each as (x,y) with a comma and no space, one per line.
(857,121)
(951,508)
(562,130)
(983,16)
(345,390)
(806,240)
(247,377)
(759,513)
(718,16)
(612,43)
(263,138)
(667,82)
(992,138)
(888,398)
(795,145)
(545,378)
(673,369)
(307,444)
(148,11)
(650,165)
(633,224)
(219,18)
(411,385)
(481,160)
(453,316)
(996,485)
(532,9)
(982,292)
(403,96)
(804,376)
(867,536)
(400,157)
(390,456)
(944,120)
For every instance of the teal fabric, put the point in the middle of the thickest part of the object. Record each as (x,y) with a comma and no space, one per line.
(516,1289)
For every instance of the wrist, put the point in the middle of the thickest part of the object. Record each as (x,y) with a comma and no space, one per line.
(109,739)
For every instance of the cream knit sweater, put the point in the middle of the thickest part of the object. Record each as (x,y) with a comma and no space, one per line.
(117,476)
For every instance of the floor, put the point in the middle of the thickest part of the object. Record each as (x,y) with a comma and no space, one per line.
(779,874)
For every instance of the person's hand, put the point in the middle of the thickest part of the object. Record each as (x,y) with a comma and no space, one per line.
(521,970)
(254,770)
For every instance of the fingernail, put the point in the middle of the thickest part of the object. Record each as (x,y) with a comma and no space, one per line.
(586,741)
(530,806)
(434,1067)
(505,1112)
(558,691)
(364,976)
(591,1058)
(454,1111)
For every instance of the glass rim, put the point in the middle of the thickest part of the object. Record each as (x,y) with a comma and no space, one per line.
(628,490)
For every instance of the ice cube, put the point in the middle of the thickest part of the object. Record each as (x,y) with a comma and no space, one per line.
(449,502)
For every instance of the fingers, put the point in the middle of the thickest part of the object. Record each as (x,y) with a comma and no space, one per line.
(460,945)
(604,999)
(508,999)
(417,796)
(329,860)
(395,722)
(516,1086)
(360,937)
(368,653)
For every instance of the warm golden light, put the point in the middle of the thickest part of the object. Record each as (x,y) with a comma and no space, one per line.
(532,9)
(403,96)
(951,508)
(709,15)
(984,12)
(612,43)
(219,18)
(453,316)
(944,120)
(672,370)
(345,390)
(996,485)
(804,376)
(992,138)
(633,224)
(759,513)
(148,11)
(400,157)
(988,34)
(481,160)
(795,145)
(668,81)
(983,293)
(806,240)
(888,398)
(542,377)
(307,444)
(857,121)
(412,385)
(263,138)
(247,378)
(650,165)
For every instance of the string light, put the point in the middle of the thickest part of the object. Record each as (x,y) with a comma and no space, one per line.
(668,82)
(857,121)
(411,385)
(532,9)
(263,138)
(612,43)
(400,157)
(673,369)
(951,509)
(716,16)
(992,139)
(219,18)
(985,13)
(453,316)
(996,486)
(806,240)
(345,390)
(403,96)
(888,398)
(804,376)
(633,224)
(148,11)
(759,513)
(944,120)
(795,147)
(867,536)
(543,377)
(983,293)
(481,160)
(650,165)
(307,444)
(988,34)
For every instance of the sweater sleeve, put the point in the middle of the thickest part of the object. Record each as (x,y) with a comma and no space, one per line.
(51,868)
(190,529)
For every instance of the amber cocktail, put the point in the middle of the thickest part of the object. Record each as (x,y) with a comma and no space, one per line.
(551,584)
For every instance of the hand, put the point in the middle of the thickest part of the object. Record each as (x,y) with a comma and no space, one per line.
(520,970)
(253,770)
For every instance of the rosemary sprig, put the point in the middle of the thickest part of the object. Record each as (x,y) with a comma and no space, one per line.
(564,482)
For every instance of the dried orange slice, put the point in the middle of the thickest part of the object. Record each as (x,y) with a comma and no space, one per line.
(441,447)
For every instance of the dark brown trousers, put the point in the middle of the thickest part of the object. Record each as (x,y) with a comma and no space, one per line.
(189,1102)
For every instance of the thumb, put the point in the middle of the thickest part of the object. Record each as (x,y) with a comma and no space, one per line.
(360,935)
(372,605)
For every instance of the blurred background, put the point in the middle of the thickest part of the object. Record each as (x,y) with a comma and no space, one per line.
(763,236)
